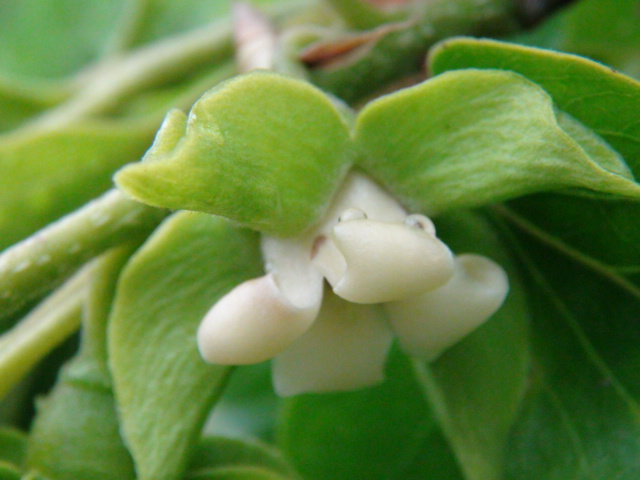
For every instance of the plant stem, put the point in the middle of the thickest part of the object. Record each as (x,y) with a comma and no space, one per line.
(361,15)
(33,267)
(108,82)
(41,331)
(401,52)
(132,20)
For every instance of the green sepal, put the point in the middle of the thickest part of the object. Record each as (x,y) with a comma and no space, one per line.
(164,389)
(473,137)
(603,99)
(261,149)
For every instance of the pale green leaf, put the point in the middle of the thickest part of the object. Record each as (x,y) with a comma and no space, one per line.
(53,38)
(261,149)
(55,171)
(472,137)
(164,389)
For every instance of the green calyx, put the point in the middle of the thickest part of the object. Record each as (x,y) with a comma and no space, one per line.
(268,151)
(262,149)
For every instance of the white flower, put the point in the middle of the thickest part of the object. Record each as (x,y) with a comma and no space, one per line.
(370,252)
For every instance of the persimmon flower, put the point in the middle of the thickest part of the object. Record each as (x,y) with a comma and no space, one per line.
(387,272)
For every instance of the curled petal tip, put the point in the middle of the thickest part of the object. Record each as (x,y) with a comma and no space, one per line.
(431,322)
(252,323)
(381,262)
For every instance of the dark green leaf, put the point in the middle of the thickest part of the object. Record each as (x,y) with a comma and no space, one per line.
(583,417)
(12,446)
(602,30)
(248,407)
(163,387)
(238,473)
(475,388)
(9,471)
(381,433)
(219,452)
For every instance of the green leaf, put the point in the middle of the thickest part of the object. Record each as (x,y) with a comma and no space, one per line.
(237,473)
(385,432)
(12,446)
(163,387)
(18,101)
(244,144)
(583,413)
(53,38)
(599,97)
(9,471)
(471,137)
(75,434)
(475,388)
(223,453)
(55,171)
(604,31)
(164,18)
(248,407)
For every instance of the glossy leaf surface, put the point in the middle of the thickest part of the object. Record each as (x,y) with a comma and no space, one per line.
(582,410)
(476,387)
(163,387)
(367,433)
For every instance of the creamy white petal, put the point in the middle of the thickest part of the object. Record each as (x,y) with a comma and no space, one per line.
(430,323)
(367,261)
(360,192)
(289,261)
(345,349)
(255,322)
